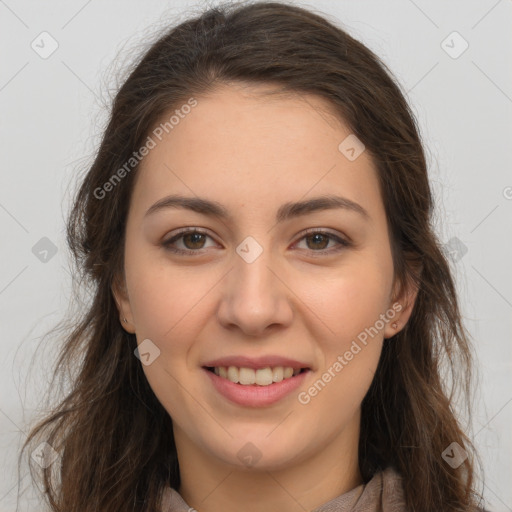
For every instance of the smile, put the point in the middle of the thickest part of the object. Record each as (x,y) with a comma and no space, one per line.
(260,377)
(255,388)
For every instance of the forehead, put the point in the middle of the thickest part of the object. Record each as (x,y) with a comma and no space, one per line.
(253,144)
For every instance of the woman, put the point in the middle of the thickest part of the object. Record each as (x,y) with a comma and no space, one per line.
(271,305)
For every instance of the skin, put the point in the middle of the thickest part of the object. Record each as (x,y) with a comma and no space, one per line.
(253,153)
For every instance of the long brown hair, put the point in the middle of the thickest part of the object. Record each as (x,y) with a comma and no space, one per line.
(114,438)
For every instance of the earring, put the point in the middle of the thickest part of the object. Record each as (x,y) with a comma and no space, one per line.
(394,325)
(124,320)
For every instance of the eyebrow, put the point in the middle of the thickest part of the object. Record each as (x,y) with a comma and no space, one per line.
(286,211)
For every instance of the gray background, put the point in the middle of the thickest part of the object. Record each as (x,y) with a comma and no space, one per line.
(53,113)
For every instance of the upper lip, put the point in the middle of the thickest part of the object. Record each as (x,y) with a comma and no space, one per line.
(256,362)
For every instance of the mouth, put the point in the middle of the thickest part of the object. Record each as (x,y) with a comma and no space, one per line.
(256,377)
(255,387)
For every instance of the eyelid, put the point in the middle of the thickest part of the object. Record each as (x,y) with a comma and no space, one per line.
(342,241)
(182,232)
(324,231)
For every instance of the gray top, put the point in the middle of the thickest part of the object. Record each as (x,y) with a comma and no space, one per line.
(383,493)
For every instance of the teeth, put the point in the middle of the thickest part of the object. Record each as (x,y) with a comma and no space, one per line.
(277,374)
(261,377)
(246,376)
(233,374)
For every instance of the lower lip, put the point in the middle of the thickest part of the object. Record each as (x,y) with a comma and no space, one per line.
(254,395)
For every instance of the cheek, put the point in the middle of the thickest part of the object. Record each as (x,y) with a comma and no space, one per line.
(339,391)
(350,306)
(349,300)
(353,304)
(168,309)
(168,303)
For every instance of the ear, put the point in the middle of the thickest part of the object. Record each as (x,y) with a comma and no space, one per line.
(123,304)
(403,300)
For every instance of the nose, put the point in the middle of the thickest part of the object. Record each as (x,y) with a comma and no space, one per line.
(255,297)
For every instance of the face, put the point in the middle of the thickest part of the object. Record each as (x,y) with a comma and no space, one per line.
(252,281)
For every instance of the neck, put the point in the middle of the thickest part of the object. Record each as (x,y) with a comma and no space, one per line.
(209,484)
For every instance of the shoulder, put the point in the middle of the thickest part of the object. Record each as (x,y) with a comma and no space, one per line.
(393,497)
(392,488)
(173,502)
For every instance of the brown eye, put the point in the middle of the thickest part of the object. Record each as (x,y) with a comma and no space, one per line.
(187,242)
(318,241)
(193,240)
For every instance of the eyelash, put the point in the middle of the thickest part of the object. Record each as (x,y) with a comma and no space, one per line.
(342,244)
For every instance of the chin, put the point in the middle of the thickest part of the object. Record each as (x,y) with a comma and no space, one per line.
(260,453)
